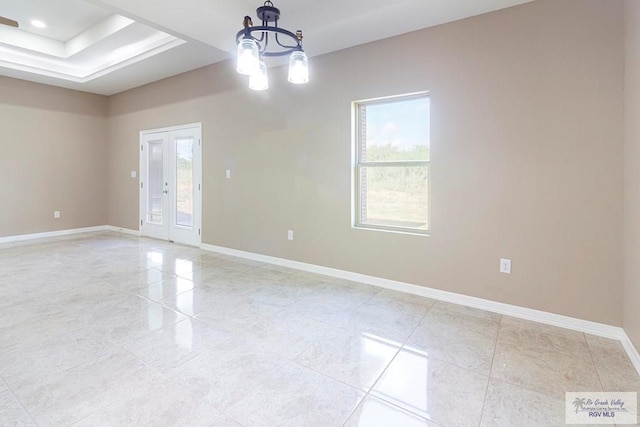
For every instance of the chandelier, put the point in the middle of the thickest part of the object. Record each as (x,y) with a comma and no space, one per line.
(268,40)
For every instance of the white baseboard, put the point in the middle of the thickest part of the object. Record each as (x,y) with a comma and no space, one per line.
(68,232)
(123,230)
(580,325)
(631,350)
(57,233)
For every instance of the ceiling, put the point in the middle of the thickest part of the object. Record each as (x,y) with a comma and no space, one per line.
(108,46)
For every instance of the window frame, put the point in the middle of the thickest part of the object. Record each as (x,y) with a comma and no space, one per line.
(358,165)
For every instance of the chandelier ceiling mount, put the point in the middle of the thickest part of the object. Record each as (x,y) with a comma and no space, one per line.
(269,40)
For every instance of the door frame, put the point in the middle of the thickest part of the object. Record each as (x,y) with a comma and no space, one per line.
(197,217)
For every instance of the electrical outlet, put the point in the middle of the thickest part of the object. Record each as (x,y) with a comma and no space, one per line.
(290,234)
(505,266)
(56,214)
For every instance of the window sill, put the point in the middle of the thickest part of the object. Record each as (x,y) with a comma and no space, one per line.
(392,230)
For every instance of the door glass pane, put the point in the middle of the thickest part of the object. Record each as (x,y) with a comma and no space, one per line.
(184,182)
(154,193)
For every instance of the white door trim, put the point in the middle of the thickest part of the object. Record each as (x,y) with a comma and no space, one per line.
(171,128)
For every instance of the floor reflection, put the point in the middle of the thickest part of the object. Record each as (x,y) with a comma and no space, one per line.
(184,334)
(155,317)
(406,381)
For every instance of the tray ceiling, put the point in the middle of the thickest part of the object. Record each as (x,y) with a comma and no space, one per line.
(108,46)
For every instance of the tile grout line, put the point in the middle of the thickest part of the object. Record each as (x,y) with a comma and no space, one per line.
(115,400)
(365,393)
(259,382)
(424,316)
(324,375)
(593,360)
(394,405)
(385,369)
(527,387)
(380,377)
(493,357)
(375,382)
(327,376)
(18,401)
(233,419)
(353,411)
(409,349)
(541,317)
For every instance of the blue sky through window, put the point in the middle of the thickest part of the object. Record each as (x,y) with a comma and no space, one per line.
(403,124)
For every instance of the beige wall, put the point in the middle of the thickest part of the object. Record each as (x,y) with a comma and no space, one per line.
(53,150)
(632,173)
(527,144)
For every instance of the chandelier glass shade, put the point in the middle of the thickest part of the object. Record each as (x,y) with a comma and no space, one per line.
(298,67)
(248,57)
(268,40)
(260,79)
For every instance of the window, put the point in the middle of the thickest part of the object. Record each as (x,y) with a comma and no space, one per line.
(392,163)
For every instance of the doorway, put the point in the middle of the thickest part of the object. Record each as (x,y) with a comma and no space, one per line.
(171,184)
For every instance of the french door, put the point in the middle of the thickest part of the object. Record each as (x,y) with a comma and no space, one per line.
(170,184)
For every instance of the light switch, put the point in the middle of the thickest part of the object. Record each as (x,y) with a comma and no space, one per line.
(228,173)
(134,174)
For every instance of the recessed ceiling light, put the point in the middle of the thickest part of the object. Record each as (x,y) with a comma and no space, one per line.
(38,24)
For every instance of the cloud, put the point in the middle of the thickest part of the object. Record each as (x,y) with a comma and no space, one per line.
(389,127)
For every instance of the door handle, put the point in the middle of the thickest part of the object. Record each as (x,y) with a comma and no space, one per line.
(166,191)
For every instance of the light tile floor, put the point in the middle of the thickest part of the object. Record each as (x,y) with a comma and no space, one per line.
(106,329)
